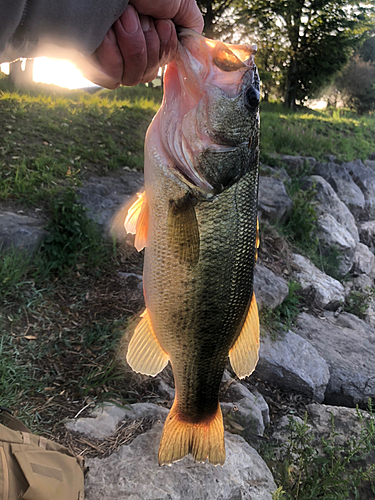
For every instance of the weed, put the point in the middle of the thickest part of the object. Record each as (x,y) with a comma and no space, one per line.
(74,239)
(302,220)
(333,473)
(357,302)
(328,261)
(283,317)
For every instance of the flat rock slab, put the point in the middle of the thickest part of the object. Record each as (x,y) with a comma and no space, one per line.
(103,196)
(270,290)
(103,421)
(291,364)
(21,232)
(346,189)
(327,292)
(274,203)
(132,473)
(348,346)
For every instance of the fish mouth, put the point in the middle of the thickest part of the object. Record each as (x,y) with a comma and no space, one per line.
(227,57)
(201,64)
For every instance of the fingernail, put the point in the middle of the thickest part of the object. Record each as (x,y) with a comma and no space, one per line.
(164,29)
(130,20)
(145,22)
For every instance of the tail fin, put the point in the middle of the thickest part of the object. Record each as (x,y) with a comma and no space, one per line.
(204,440)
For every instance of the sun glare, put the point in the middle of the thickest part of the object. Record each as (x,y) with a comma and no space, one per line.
(58,72)
(4,68)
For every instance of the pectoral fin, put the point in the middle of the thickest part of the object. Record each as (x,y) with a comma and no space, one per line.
(244,354)
(183,232)
(257,241)
(136,221)
(145,354)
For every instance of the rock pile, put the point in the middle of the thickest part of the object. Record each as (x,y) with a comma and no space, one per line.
(328,355)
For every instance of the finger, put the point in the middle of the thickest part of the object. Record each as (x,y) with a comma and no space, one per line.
(182,12)
(168,40)
(189,16)
(153,48)
(132,44)
(109,60)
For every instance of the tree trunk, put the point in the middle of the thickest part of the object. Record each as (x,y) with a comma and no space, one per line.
(209,18)
(291,86)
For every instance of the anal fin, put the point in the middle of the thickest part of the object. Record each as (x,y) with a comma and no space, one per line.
(204,440)
(145,354)
(244,354)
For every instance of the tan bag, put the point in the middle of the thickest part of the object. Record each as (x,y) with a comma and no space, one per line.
(35,468)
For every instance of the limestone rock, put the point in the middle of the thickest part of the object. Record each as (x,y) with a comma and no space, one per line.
(296,162)
(370,163)
(363,260)
(364,177)
(277,173)
(332,234)
(243,407)
(274,203)
(293,363)
(328,293)
(347,345)
(367,234)
(21,232)
(270,290)
(103,196)
(342,183)
(104,420)
(132,473)
(330,203)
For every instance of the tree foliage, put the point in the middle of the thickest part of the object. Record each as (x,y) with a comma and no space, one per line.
(357,84)
(318,37)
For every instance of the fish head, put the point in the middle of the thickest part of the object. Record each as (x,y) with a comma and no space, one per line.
(210,112)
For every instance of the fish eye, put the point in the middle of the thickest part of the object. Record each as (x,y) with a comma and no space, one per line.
(252,98)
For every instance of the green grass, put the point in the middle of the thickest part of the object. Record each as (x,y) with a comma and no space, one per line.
(316,133)
(49,140)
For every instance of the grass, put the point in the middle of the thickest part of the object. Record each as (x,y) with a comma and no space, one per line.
(49,140)
(316,133)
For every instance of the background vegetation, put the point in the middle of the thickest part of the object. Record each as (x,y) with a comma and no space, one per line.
(302,44)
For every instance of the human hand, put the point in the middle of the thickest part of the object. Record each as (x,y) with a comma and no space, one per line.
(141,40)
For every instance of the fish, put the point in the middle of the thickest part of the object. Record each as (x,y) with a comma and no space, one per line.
(197,220)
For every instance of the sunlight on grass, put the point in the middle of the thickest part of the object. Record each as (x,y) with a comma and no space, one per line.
(317,133)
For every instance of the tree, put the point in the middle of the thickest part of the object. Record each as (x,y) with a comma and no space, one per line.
(213,11)
(318,38)
(357,85)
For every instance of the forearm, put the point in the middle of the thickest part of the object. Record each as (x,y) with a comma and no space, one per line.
(26,25)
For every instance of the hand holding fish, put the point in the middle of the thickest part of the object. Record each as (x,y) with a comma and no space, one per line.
(143,39)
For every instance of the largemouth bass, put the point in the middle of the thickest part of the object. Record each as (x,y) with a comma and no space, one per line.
(197,220)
